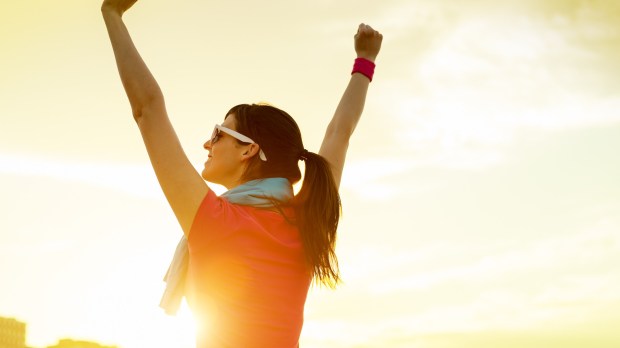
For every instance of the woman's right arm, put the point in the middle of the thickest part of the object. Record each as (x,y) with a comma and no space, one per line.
(349,110)
(140,85)
(183,187)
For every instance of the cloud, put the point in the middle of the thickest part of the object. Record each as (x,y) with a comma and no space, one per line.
(466,77)
(551,284)
(133,179)
(382,178)
(591,249)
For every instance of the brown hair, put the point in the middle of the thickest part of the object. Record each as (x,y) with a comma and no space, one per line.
(317,205)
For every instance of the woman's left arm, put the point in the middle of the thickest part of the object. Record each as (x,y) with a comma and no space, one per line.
(340,129)
(182,185)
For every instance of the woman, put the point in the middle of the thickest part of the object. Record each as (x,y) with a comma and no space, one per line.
(247,258)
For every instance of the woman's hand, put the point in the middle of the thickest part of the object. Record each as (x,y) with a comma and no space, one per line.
(367,42)
(117,6)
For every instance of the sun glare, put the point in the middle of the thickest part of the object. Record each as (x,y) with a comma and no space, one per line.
(178,331)
(187,320)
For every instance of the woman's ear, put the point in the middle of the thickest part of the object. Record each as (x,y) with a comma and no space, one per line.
(251,151)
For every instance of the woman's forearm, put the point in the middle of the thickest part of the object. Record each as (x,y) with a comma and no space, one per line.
(351,105)
(140,85)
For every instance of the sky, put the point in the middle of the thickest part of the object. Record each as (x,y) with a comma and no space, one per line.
(481,199)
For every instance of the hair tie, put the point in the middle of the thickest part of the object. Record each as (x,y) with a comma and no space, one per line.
(303,155)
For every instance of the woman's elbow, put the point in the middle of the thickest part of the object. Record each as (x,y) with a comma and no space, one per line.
(147,104)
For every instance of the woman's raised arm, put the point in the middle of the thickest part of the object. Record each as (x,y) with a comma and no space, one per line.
(349,110)
(182,185)
(139,83)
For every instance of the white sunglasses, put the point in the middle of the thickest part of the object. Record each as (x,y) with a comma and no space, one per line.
(216,136)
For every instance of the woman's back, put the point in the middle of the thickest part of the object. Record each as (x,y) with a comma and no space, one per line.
(247,276)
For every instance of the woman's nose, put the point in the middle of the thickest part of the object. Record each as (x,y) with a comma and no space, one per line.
(207,145)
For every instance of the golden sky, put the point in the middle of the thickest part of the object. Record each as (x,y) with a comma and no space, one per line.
(481,194)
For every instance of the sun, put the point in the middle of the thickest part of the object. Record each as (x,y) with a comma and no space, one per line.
(180,330)
(187,320)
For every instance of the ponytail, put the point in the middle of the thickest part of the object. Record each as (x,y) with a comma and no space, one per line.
(317,211)
(317,205)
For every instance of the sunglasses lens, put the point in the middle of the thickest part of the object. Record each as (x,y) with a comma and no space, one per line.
(215,136)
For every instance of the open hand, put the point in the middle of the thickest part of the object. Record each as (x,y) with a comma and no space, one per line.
(367,42)
(117,6)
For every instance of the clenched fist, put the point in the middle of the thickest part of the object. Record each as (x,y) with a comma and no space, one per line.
(117,6)
(367,42)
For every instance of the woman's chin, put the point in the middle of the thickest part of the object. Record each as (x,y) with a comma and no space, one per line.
(204,174)
(208,177)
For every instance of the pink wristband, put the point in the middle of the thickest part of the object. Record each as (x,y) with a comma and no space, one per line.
(364,67)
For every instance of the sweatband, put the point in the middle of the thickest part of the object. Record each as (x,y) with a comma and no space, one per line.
(364,67)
